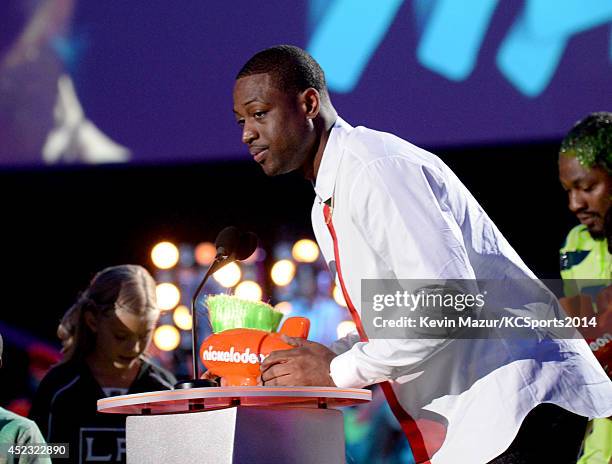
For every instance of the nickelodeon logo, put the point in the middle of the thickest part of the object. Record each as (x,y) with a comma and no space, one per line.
(232,356)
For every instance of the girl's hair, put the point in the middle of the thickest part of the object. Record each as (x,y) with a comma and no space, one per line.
(127,287)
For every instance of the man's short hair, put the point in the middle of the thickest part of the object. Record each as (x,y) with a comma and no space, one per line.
(293,69)
(590,140)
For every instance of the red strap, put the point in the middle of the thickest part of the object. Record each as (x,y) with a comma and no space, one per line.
(408,424)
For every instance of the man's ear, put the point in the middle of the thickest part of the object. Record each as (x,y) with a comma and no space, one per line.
(91,321)
(311,102)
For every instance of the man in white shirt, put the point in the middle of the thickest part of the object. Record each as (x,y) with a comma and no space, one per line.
(385,209)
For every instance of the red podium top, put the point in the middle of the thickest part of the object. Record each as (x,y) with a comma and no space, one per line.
(202,399)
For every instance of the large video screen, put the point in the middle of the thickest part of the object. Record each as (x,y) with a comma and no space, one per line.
(90,81)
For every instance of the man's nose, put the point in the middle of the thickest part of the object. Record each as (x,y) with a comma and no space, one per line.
(576,201)
(249,134)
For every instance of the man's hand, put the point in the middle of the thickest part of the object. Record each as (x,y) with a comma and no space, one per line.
(210,376)
(306,364)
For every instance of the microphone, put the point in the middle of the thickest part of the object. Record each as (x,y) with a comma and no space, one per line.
(231,246)
(247,246)
(227,241)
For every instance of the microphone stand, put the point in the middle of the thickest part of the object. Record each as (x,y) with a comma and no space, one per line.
(220,260)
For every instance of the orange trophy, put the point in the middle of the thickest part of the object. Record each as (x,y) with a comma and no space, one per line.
(244,335)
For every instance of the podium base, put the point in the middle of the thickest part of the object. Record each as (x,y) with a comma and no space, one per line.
(238,435)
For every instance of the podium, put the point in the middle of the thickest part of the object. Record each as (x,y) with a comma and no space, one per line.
(235,425)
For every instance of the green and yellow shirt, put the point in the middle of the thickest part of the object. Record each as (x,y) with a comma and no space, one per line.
(586,265)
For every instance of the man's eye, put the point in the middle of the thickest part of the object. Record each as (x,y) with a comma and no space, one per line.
(240,122)
(259,114)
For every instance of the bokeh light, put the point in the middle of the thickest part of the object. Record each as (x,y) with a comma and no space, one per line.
(248,290)
(338,296)
(282,272)
(168,296)
(305,251)
(166,337)
(205,253)
(182,317)
(284,307)
(165,255)
(229,275)
(345,328)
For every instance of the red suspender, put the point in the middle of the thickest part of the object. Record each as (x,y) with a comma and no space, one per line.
(409,426)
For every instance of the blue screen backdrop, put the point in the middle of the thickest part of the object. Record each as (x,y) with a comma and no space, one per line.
(151,81)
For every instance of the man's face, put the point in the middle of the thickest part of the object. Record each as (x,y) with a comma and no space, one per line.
(588,192)
(274,124)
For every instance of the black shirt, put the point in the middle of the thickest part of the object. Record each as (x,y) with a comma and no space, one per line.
(65,409)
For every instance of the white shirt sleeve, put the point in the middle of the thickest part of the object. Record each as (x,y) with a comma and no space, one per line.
(402,210)
(345,343)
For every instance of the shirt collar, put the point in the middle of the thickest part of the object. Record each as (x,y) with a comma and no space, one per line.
(326,176)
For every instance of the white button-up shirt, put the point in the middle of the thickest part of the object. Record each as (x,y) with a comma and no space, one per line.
(400,213)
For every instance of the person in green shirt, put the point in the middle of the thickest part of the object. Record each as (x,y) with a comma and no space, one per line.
(15,431)
(585,172)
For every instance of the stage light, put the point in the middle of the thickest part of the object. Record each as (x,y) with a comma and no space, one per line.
(305,251)
(282,272)
(205,253)
(284,307)
(166,337)
(229,275)
(248,290)
(182,317)
(338,296)
(168,296)
(345,328)
(165,255)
